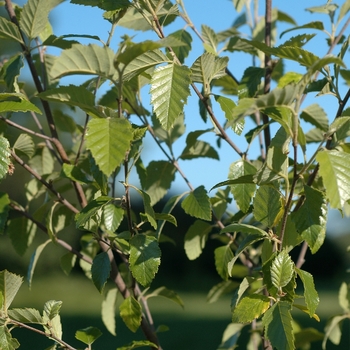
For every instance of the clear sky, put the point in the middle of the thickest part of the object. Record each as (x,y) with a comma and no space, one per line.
(219,15)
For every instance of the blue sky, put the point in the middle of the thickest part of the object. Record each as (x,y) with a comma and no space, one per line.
(219,15)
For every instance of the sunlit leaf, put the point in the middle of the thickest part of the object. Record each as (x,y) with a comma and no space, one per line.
(169,92)
(144,258)
(9,30)
(9,286)
(311,296)
(25,315)
(182,51)
(81,59)
(195,238)
(312,25)
(335,172)
(108,310)
(282,270)
(250,308)
(108,139)
(131,313)
(315,115)
(138,344)
(88,335)
(210,39)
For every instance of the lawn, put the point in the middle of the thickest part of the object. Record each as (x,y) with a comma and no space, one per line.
(198,326)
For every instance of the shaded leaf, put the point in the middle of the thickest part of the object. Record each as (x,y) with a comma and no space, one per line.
(67,262)
(311,219)
(315,115)
(25,144)
(168,294)
(6,340)
(268,206)
(4,210)
(220,289)
(112,217)
(100,270)
(138,344)
(197,204)
(34,259)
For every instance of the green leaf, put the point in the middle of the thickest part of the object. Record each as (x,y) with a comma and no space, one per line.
(278,326)
(108,310)
(5,161)
(75,96)
(316,116)
(144,258)
(168,294)
(333,330)
(341,126)
(91,210)
(81,59)
(197,204)
(11,71)
(88,335)
(195,238)
(133,51)
(344,297)
(9,286)
(169,92)
(21,232)
(4,210)
(9,30)
(160,175)
(250,308)
(268,206)
(16,102)
(251,82)
(182,52)
(196,148)
(206,68)
(276,165)
(100,270)
(25,315)
(25,145)
(223,255)
(6,340)
(210,39)
(312,25)
(67,262)
(311,218)
(34,259)
(108,139)
(52,309)
(311,296)
(74,173)
(34,17)
(230,336)
(138,344)
(335,172)
(112,217)
(222,288)
(143,62)
(282,270)
(131,313)
(149,212)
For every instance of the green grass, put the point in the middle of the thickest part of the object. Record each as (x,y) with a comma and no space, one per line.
(198,326)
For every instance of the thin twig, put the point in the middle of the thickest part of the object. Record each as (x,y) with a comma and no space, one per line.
(58,340)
